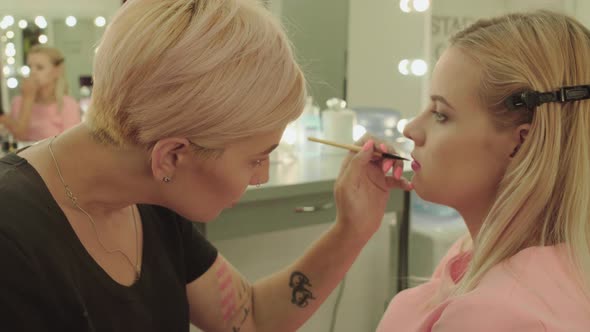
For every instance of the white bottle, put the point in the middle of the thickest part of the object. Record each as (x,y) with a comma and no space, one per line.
(338,123)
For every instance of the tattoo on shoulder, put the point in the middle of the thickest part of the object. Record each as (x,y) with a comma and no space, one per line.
(300,295)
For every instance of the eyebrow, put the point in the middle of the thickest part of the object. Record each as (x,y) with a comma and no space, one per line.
(269,150)
(442,100)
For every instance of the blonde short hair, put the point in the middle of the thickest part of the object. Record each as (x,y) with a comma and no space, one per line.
(213,71)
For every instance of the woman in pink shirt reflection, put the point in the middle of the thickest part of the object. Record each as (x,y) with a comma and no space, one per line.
(44,109)
(505,141)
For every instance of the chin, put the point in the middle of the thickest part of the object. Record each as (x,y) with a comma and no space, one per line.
(429,194)
(200,216)
(209,216)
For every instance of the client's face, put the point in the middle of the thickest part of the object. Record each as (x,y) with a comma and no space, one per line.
(460,155)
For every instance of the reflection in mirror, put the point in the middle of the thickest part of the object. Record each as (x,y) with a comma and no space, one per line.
(76,37)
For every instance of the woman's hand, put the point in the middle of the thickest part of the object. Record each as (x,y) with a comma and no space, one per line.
(29,88)
(362,188)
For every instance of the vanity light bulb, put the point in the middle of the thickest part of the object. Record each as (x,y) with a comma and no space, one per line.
(10,60)
(421,5)
(100,21)
(41,22)
(10,34)
(23,24)
(419,67)
(71,21)
(43,39)
(10,52)
(12,83)
(402,67)
(25,70)
(404,5)
(8,20)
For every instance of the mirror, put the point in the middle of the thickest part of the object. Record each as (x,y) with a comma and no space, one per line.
(76,37)
(72,26)
(318,29)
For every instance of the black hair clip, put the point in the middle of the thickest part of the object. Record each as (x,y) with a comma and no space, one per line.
(532,99)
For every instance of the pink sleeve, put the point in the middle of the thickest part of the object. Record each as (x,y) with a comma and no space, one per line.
(16,105)
(488,314)
(452,252)
(71,112)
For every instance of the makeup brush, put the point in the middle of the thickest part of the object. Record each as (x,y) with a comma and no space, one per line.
(356,148)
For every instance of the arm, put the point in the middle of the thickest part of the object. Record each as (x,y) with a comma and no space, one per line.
(281,302)
(221,300)
(20,117)
(22,107)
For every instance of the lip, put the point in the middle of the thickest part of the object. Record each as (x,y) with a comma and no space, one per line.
(415,164)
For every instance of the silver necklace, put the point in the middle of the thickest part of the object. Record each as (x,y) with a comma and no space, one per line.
(74,200)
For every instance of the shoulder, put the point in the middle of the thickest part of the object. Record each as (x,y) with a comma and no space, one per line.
(26,211)
(534,290)
(485,312)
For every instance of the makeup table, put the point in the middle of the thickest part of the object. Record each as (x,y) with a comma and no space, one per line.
(300,194)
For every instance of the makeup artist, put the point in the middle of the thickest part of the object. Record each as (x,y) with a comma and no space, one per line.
(190,97)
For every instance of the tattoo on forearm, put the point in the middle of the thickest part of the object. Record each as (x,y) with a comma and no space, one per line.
(300,294)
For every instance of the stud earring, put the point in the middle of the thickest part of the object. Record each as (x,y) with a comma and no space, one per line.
(166,179)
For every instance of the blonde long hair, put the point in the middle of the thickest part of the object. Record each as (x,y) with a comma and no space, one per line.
(214,71)
(544,197)
(57,59)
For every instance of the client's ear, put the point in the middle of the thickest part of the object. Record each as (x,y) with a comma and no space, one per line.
(519,136)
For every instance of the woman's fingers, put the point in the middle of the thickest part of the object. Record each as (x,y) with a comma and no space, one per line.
(401,183)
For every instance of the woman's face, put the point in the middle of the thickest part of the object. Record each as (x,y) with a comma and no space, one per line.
(42,70)
(209,186)
(460,157)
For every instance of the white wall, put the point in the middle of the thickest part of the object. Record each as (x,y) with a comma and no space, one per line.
(381,35)
(581,10)
(318,30)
